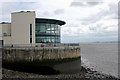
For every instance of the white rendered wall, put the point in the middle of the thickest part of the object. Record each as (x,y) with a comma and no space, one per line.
(20,27)
(7,40)
(6,28)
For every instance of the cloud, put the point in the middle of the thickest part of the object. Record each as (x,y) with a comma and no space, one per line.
(84,4)
(10,7)
(85,21)
(110,13)
(59,11)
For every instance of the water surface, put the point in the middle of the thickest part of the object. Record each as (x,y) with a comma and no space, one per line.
(102,57)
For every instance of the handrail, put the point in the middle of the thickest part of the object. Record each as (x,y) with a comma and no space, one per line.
(41,45)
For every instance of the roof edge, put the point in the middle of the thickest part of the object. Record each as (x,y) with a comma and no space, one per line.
(24,12)
(60,22)
(5,23)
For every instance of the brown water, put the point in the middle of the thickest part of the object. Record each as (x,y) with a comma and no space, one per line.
(102,57)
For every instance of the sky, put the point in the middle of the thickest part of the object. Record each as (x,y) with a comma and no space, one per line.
(86,20)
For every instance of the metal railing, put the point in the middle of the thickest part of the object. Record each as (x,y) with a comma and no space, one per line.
(41,45)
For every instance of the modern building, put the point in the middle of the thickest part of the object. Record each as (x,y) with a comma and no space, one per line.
(25,28)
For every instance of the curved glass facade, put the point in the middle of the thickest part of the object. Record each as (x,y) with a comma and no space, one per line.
(47,33)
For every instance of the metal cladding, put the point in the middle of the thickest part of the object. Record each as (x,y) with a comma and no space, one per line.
(51,21)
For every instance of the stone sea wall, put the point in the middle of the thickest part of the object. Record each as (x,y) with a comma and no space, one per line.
(40,53)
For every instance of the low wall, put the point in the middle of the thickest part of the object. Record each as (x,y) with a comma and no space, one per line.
(37,53)
(40,45)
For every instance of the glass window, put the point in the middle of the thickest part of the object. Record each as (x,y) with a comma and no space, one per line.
(47,33)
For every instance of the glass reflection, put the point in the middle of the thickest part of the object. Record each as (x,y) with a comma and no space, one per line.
(47,33)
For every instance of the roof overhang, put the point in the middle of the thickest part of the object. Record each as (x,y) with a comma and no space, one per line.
(51,21)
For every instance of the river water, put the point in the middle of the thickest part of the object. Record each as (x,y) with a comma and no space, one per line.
(102,57)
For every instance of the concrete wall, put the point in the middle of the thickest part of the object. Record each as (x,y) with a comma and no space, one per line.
(20,27)
(46,60)
(40,53)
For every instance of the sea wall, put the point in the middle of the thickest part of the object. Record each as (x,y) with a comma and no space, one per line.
(43,60)
(40,53)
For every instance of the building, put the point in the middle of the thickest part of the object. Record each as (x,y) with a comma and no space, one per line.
(25,28)
(0,32)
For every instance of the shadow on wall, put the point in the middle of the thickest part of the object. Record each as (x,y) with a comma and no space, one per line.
(45,70)
(1,45)
(45,67)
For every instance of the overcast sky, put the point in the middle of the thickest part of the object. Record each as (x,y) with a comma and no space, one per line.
(86,21)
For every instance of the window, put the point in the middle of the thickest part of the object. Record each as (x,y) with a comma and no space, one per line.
(4,34)
(30,33)
(47,33)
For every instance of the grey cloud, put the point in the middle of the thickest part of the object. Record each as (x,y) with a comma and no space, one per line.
(115,17)
(90,38)
(100,35)
(95,27)
(103,13)
(9,7)
(46,13)
(93,3)
(86,5)
(92,28)
(92,19)
(113,9)
(73,25)
(77,4)
(59,11)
